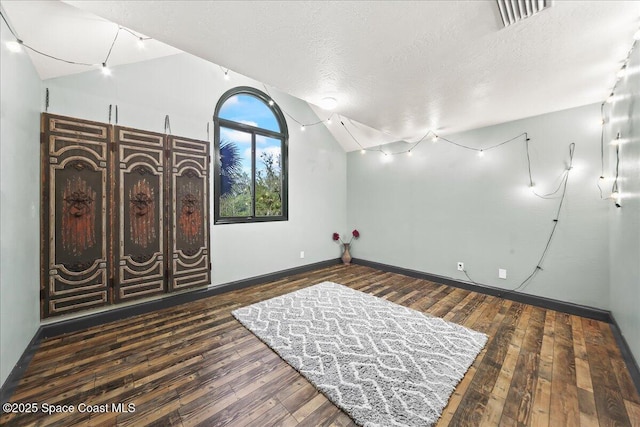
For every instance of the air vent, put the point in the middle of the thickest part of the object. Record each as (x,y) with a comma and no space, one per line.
(513,11)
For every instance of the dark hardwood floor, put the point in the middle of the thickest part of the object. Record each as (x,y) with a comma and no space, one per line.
(194,364)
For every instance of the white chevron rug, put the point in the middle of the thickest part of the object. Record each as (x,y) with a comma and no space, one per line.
(383,364)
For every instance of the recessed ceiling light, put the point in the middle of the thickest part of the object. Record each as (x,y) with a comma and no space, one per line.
(328,103)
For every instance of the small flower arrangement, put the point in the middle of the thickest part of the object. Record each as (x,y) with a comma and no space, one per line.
(354,235)
(346,256)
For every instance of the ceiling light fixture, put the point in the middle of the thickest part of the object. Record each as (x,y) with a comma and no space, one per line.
(328,103)
(140,43)
(105,70)
(636,36)
(226,75)
(481,153)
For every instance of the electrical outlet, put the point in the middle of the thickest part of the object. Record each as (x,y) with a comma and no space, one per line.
(502,273)
(301,254)
(461,266)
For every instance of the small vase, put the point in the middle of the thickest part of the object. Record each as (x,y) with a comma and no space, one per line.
(346,256)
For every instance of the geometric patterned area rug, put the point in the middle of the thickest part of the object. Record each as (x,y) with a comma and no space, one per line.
(381,363)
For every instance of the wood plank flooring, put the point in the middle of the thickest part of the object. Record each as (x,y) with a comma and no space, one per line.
(194,364)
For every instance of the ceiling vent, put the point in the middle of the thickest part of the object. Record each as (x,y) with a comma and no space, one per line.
(513,11)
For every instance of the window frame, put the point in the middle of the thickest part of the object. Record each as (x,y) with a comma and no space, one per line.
(283,135)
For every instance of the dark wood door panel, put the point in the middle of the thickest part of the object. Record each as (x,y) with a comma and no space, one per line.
(141,224)
(189,237)
(75,225)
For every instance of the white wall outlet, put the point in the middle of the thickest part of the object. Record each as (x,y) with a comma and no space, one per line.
(301,254)
(461,266)
(502,273)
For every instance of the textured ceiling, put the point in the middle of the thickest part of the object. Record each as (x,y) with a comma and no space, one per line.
(401,67)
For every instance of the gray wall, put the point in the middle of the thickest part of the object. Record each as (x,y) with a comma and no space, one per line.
(444,204)
(188,88)
(19,204)
(624,223)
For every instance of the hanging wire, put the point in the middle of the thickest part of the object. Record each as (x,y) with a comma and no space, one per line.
(54,57)
(138,36)
(601,177)
(526,143)
(293,118)
(111,48)
(624,66)
(532,182)
(614,187)
(354,138)
(27,46)
(556,221)
(57,58)
(430,132)
(491,147)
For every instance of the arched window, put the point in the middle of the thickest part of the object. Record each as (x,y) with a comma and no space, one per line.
(251,140)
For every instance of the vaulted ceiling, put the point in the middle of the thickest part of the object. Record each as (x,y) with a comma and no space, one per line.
(396,68)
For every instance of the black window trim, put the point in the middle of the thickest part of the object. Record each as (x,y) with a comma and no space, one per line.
(283,135)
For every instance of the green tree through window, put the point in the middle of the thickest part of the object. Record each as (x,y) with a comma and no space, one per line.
(251,158)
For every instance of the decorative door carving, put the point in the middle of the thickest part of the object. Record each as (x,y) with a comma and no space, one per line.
(140,200)
(189,239)
(125,214)
(75,249)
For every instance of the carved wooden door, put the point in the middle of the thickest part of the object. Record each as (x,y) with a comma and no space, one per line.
(75,247)
(189,237)
(139,193)
(125,214)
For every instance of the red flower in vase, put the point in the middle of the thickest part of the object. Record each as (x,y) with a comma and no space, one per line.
(354,235)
